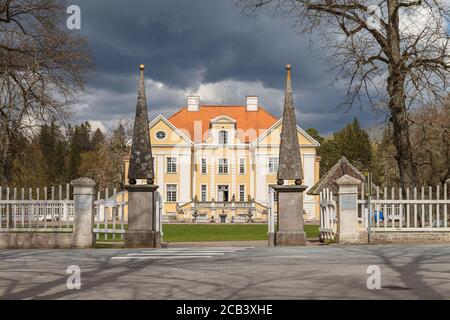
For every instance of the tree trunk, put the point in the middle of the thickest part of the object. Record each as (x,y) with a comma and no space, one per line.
(397,104)
(6,165)
(400,124)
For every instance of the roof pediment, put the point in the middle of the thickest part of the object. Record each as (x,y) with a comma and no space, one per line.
(278,124)
(342,168)
(223,119)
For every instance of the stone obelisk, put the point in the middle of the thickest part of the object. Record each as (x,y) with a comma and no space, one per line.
(290,196)
(141,197)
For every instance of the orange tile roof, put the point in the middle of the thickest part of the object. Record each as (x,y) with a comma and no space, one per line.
(246,121)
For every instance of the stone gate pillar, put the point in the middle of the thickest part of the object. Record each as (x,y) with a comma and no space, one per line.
(290,215)
(347,210)
(83,219)
(141,217)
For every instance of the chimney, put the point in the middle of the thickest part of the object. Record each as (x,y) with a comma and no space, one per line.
(193,103)
(252,103)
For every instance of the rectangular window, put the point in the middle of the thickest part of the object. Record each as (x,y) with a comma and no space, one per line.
(223,166)
(203,192)
(241,192)
(171,165)
(273,164)
(223,137)
(171,193)
(242,166)
(204,166)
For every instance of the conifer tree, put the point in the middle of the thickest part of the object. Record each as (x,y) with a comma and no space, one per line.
(352,142)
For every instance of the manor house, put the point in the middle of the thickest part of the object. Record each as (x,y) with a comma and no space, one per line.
(217,162)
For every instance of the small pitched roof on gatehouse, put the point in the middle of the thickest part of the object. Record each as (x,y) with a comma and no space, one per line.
(341,168)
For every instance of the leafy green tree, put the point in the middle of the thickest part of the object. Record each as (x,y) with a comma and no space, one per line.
(79,142)
(98,139)
(53,149)
(119,150)
(330,154)
(315,134)
(353,142)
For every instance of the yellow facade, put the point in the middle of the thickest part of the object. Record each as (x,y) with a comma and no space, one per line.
(222,182)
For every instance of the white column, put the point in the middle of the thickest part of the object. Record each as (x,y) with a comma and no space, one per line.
(185,177)
(160,178)
(212,175)
(251,191)
(233,160)
(308,172)
(194,172)
(261,178)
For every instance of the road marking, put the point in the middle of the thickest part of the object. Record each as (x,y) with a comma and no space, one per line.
(205,249)
(289,257)
(181,253)
(188,251)
(159,257)
(178,254)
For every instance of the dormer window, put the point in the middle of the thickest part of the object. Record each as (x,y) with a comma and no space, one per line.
(223,137)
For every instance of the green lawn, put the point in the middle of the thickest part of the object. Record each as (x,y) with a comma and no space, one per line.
(214,232)
(222,232)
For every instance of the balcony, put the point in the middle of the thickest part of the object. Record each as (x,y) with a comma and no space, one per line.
(223,211)
(224,204)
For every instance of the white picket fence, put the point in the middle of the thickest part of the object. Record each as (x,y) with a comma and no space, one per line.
(423,209)
(328,219)
(111,215)
(39,210)
(51,209)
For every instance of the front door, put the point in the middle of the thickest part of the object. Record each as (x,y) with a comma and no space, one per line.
(222,193)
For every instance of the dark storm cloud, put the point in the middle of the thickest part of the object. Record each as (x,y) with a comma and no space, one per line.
(188,43)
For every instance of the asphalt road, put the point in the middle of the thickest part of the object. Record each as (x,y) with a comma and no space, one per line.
(317,272)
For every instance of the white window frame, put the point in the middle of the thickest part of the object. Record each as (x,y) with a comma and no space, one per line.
(169,199)
(229,190)
(171,165)
(227,137)
(244,193)
(205,198)
(219,166)
(206,166)
(270,167)
(242,164)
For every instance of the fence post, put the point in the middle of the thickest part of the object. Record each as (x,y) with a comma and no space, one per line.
(348,228)
(83,196)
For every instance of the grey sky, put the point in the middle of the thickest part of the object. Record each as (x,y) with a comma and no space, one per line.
(205,47)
